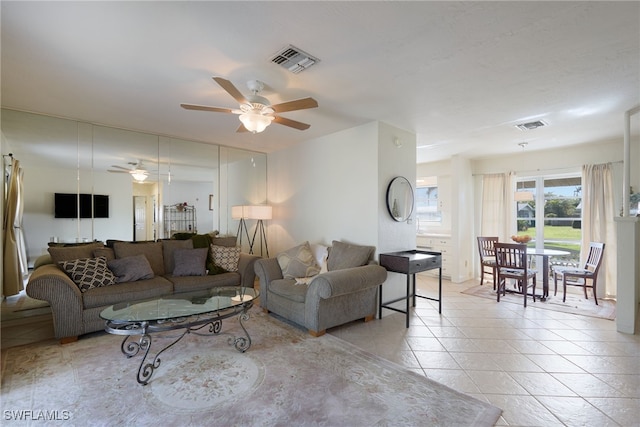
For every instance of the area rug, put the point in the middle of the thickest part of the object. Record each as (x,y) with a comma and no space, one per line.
(286,378)
(575,303)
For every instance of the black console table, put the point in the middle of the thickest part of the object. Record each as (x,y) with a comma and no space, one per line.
(411,262)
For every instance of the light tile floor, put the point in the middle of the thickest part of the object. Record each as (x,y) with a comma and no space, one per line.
(542,367)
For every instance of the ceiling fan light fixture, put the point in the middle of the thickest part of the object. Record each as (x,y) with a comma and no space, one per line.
(139,175)
(254,122)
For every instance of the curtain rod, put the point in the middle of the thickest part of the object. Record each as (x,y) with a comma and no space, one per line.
(538,170)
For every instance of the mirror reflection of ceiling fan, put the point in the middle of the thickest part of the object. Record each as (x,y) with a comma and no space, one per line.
(138,171)
(256,112)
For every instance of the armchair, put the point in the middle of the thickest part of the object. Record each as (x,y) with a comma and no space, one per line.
(329,299)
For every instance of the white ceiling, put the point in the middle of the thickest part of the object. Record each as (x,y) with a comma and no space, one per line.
(460,75)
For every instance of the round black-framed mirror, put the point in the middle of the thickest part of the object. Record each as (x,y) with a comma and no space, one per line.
(400,199)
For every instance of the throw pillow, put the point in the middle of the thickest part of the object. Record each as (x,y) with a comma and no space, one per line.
(225,257)
(344,255)
(168,249)
(88,273)
(152,250)
(320,252)
(59,254)
(190,262)
(131,268)
(298,261)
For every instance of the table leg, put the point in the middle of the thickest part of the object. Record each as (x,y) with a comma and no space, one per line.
(545,278)
(440,290)
(408,297)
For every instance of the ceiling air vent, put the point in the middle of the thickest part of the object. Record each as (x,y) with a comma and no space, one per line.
(531,125)
(294,59)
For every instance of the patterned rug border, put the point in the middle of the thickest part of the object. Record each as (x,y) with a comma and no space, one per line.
(574,304)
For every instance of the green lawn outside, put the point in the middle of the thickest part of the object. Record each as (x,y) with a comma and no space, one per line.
(555,235)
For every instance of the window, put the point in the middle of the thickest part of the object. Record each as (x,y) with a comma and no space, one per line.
(427,206)
(554,218)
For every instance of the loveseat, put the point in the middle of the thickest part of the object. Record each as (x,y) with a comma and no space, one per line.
(126,271)
(318,287)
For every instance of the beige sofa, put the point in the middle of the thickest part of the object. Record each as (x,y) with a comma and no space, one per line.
(77,312)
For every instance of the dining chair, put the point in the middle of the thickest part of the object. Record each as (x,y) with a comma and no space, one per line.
(573,276)
(487,258)
(511,263)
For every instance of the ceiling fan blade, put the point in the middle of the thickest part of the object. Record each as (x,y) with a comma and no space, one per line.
(120,167)
(298,104)
(241,128)
(205,108)
(291,123)
(231,90)
(124,171)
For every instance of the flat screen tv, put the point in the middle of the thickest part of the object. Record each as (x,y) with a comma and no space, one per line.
(66,205)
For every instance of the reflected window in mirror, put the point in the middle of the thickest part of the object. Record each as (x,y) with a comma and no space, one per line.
(428,212)
(400,199)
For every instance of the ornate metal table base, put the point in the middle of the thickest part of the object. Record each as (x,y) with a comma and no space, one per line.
(212,325)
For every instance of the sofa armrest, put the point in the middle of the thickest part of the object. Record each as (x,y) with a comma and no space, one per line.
(51,284)
(246,269)
(267,270)
(346,281)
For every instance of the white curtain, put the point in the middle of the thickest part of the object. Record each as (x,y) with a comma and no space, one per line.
(498,218)
(14,251)
(598,209)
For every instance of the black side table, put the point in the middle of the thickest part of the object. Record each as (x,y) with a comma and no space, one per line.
(410,262)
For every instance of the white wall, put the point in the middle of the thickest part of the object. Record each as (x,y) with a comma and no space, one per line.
(334,188)
(325,189)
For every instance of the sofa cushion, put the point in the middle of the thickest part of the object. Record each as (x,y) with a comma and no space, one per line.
(89,273)
(131,268)
(225,257)
(344,255)
(152,250)
(168,249)
(59,254)
(190,262)
(298,261)
(196,283)
(127,292)
(289,289)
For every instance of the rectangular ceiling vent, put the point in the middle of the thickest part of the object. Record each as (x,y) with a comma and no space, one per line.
(531,125)
(294,59)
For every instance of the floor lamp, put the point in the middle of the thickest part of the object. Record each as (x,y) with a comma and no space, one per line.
(260,213)
(240,212)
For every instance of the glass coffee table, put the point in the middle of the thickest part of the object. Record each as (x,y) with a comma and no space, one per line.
(199,312)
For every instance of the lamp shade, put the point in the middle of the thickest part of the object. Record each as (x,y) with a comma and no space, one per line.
(259,212)
(238,212)
(255,123)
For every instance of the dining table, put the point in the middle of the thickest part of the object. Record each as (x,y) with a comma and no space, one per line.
(545,254)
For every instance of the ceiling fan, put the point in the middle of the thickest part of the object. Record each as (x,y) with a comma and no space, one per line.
(256,112)
(138,172)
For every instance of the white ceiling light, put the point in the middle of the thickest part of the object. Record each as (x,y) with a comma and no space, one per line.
(256,114)
(139,174)
(255,121)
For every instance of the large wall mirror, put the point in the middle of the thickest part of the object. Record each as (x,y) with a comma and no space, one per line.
(64,156)
(400,198)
